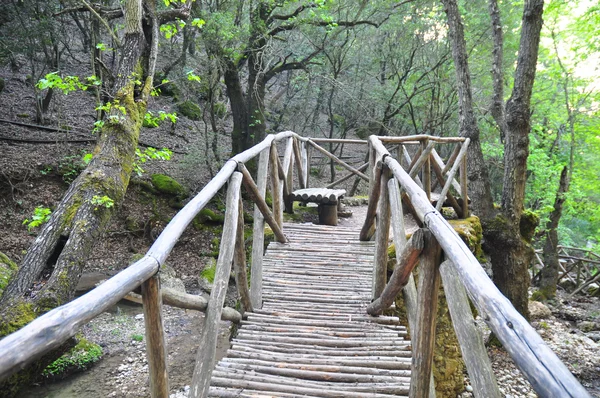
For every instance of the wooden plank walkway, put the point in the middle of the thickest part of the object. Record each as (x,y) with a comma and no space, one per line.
(313,338)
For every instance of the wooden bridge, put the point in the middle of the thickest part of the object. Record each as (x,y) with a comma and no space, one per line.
(312,323)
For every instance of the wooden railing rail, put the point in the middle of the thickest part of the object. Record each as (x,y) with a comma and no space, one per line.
(544,370)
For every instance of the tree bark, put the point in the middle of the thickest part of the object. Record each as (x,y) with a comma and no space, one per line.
(549,274)
(510,253)
(53,264)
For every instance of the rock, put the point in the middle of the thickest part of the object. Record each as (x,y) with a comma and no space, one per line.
(469,389)
(168,185)
(168,278)
(538,310)
(139,317)
(593,336)
(587,326)
(190,109)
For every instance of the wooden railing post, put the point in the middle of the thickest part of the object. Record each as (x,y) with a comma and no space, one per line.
(299,164)
(258,233)
(156,347)
(382,237)
(288,171)
(239,262)
(275,186)
(368,228)
(308,151)
(208,339)
(471,343)
(464,191)
(427,171)
(424,336)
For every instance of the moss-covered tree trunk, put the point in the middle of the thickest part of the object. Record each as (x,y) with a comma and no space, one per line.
(53,264)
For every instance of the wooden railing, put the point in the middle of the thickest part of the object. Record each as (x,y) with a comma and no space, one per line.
(541,366)
(444,257)
(578,265)
(50,330)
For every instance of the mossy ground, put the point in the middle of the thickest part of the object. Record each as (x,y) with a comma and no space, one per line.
(78,358)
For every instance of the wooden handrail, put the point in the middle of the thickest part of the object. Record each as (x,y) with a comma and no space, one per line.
(540,365)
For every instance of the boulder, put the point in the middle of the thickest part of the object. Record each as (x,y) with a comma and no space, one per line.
(538,310)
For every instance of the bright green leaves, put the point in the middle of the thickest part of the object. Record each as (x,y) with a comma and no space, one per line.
(40,216)
(149,154)
(191,76)
(152,121)
(198,23)
(102,201)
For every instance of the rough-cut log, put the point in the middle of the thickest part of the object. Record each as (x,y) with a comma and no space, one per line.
(424,335)
(407,261)
(471,343)
(207,350)
(299,164)
(548,375)
(318,195)
(156,347)
(258,233)
(410,162)
(452,172)
(253,191)
(338,141)
(338,161)
(368,229)
(239,262)
(440,178)
(421,137)
(347,176)
(288,168)
(276,194)
(464,191)
(382,237)
(426,174)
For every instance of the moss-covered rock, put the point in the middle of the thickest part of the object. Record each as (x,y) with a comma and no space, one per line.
(77,359)
(208,216)
(190,109)
(470,231)
(528,224)
(7,270)
(167,185)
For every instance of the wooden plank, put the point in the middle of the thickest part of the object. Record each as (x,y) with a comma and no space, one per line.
(382,237)
(407,261)
(338,161)
(254,193)
(367,229)
(471,343)
(258,233)
(207,350)
(547,374)
(239,262)
(424,336)
(156,346)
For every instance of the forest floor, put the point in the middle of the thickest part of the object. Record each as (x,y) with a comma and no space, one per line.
(35,174)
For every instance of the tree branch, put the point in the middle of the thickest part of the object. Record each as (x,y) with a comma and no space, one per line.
(103,21)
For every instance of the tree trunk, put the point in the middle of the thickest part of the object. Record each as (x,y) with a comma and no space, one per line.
(239,134)
(549,274)
(256,99)
(481,196)
(510,252)
(52,266)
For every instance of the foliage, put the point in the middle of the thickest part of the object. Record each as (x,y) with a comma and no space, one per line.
(102,201)
(80,357)
(40,216)
(151,121)
(148,154)
(137,337)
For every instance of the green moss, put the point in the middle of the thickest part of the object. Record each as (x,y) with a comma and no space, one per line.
(190,110)
(207,216)
(7,270)
(19,315)
(269,236)
(78,358)
(208,273)
(539,295)
(220,110)
(470,231)
(168,185)
(528,224)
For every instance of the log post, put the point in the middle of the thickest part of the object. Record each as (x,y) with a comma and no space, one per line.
(404,265)
(299,164)
(252,190)
(308,151)
(464,192)
(442,182)
(452,172)
(156,346)
(208,340)
(424,335)
(382,237)
(471,343)
(239,262)
(288,169)
(367,229)
(408,161)
(258,233)
(276,186)
(427,170)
